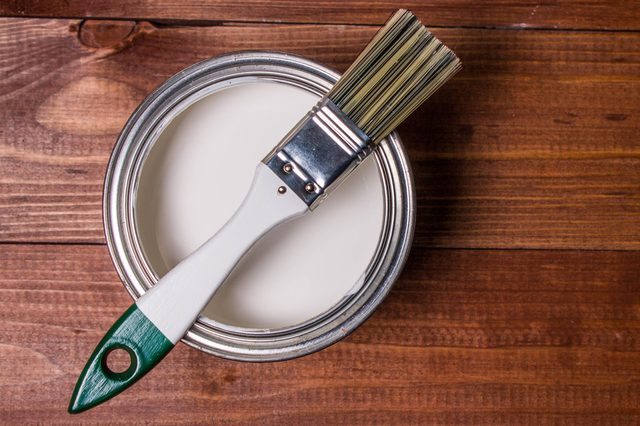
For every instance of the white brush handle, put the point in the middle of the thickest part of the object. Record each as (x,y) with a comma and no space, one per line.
(150,328)
(175,302)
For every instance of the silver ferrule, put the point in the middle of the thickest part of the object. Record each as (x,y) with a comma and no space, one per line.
(319,152)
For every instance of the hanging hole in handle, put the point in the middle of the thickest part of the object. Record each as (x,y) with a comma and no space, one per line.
(119,362)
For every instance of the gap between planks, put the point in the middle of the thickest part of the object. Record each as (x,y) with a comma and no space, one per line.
(429,248)
(187,23)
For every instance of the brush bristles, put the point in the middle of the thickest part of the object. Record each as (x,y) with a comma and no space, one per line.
(401,67)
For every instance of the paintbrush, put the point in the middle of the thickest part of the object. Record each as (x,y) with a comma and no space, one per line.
(401,67)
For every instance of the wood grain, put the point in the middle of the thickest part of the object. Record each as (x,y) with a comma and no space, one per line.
(573,14)
(534,145)
(466,336)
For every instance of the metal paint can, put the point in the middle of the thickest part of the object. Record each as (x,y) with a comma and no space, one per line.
(122,183)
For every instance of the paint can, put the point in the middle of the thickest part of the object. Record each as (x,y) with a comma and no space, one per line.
(243,103)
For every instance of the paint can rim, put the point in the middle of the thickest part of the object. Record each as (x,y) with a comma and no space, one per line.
(137,138)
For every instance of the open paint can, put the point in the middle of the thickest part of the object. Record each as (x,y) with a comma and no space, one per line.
(182,166)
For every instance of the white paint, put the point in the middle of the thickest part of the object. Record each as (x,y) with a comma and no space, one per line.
(173,304)
(197,175)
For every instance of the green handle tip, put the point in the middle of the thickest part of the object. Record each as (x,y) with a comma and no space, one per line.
(146,346)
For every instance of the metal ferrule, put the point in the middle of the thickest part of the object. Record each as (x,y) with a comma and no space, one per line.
(319,152)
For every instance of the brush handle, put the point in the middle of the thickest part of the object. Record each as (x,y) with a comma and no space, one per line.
(158,319)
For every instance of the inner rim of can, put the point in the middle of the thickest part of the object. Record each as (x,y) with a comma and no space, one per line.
(147,124)
(175,111)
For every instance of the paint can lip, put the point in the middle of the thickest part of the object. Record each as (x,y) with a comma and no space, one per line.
(207,335)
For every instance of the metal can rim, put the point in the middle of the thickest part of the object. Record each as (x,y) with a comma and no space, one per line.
(137,276)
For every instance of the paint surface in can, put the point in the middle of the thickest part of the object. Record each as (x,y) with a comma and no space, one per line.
(197,174)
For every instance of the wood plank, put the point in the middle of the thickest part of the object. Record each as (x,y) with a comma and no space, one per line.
(572,14)
(534,145)
(465,337)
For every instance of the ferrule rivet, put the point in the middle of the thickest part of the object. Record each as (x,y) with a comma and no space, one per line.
(282,189)
(287,168)
(310,187)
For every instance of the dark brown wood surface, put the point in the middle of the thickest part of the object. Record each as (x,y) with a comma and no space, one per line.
(572,14)
(535,144)
(520,303)
(466,336)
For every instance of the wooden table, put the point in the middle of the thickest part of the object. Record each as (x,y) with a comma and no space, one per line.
(520,303)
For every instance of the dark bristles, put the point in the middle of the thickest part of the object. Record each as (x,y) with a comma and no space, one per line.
(401,67)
